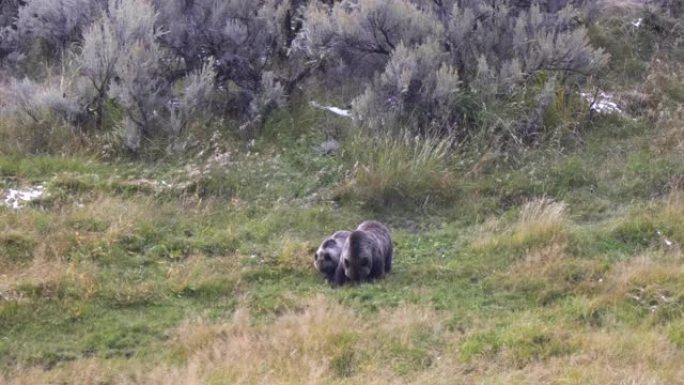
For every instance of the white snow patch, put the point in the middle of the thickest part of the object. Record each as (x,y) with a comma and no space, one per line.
(16,198)
(601,102)
(335,110)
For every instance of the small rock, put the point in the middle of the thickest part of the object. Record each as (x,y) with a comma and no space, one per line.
(329,147)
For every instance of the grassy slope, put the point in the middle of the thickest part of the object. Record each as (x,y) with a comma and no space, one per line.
(212,281)
(561,267)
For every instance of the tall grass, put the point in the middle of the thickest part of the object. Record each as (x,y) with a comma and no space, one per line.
(541,222)
(404,171)
(319,343)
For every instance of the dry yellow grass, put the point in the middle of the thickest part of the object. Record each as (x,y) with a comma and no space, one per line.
(540,217)
(198,270)
(50,276)
(315,344)
(674,207)
(46,265)
(541,221)
(326,343)
(320,343)
(392,170)
(487,231)
(644,282)
(61,232)
(642,356)
(295,254)
(124,214)
(666,111)
(541,263)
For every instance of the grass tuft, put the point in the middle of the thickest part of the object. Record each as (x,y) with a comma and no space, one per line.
(399,172)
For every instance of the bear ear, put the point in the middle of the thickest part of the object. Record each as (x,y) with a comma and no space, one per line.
(329,243)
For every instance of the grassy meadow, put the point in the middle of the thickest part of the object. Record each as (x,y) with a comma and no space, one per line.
(560,267)
(559,263)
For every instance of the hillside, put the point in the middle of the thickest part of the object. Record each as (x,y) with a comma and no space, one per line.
(536,254)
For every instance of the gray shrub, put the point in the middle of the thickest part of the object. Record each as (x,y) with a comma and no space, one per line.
(57,23)
(243,40)
(428,55)
(36,101)
(121,59)
(363,34)
(159,68)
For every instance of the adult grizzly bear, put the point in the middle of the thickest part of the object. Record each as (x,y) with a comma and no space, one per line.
(366,254)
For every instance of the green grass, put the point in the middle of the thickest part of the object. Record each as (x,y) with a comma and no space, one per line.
(109,265)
